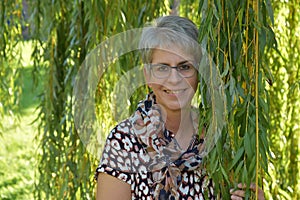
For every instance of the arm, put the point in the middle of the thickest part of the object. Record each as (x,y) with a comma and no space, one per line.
(109,187)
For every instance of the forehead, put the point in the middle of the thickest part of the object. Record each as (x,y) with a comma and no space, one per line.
(170,55)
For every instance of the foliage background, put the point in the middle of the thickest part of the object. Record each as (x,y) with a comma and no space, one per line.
(239,35)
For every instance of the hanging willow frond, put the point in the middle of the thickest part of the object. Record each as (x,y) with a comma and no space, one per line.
(231,39)
(256,58)
(67,32)
(12,23)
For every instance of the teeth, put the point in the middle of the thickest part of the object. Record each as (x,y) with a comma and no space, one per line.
(173,91)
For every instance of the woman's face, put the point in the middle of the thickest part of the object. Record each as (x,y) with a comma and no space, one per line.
(173,92)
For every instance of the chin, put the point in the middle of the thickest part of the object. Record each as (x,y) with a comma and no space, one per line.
(175,105)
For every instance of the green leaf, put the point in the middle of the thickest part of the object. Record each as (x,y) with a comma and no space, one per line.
(270,10)
(238,168)
(249,148)
(237,157)
(224,174)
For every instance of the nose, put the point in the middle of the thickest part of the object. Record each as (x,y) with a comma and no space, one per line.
(174,75)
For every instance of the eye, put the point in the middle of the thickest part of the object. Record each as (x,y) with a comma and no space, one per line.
(185,67)
(161,68)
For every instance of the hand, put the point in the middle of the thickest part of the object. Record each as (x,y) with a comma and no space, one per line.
(240,194)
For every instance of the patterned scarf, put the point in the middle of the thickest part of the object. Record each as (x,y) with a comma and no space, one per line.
(167,159)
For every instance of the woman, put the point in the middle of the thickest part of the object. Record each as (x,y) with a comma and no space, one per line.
(155,153)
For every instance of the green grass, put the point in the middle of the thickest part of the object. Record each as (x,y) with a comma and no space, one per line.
(17,160)
(17,144)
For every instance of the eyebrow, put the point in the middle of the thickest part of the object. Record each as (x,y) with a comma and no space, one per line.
(180,63)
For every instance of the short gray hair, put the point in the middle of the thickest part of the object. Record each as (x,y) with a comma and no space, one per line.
(169,31)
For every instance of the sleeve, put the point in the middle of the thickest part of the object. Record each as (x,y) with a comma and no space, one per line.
(116,156)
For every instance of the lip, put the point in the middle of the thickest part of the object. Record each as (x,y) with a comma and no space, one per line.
(174,92)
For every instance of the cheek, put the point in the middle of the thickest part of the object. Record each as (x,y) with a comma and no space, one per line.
(155,86)
(154,82)
(193,84)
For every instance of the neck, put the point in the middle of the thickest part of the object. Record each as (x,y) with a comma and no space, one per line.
(179,120)
(181,124)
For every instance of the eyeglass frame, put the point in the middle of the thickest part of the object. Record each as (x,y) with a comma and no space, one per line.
(172,67)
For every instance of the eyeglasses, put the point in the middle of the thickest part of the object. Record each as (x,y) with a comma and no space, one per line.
(185,70)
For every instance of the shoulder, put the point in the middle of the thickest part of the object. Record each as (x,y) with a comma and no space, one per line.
(123,135)
(122,151)
(122,142)
(122,128)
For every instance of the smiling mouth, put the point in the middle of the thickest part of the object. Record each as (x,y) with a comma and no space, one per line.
(174,91)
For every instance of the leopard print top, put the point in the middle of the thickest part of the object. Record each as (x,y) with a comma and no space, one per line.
(125,158)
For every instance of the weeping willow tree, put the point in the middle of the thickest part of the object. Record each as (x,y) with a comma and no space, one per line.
(64,33)
(11,24)
(283,182)
(237,34)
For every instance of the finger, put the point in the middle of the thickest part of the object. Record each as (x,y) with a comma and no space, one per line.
(234,197)
(239,193)
(253,187)
(242,185)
